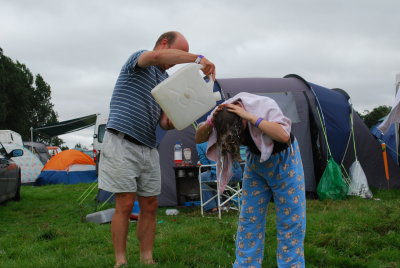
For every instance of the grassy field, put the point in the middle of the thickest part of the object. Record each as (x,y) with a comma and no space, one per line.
(47,229)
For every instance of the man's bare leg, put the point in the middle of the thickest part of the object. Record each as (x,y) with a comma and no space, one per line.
(146,227)
(120,224)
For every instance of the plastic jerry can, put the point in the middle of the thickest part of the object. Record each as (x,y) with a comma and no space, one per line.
(103,216)
(185,96)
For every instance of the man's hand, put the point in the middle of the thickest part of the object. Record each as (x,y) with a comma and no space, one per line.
(208,67)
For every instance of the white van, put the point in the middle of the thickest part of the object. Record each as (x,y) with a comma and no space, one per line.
(9,136)
(99,131)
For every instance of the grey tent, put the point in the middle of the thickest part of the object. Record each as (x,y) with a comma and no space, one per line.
(299,100)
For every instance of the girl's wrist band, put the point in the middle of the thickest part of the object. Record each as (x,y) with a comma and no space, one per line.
(258,121)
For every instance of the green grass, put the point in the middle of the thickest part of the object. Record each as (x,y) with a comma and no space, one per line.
(47,229)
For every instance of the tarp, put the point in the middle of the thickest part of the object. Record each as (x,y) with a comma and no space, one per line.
(67,126)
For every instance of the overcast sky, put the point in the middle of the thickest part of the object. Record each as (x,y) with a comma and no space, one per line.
(80,46)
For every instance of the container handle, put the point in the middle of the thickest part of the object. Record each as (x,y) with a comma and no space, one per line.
(217,96)
(210,83)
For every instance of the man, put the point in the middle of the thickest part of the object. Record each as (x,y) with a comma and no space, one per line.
(129,165)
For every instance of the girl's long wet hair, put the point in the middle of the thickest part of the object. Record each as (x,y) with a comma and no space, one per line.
(229,129)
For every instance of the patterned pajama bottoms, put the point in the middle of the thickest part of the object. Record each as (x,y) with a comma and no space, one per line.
(282,178)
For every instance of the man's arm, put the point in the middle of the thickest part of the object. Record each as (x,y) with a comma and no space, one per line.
(165,56)
(165,123)
(170,57)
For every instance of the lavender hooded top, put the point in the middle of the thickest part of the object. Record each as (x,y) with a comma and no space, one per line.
(260,106)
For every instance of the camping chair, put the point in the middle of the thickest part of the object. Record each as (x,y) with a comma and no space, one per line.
(231,194)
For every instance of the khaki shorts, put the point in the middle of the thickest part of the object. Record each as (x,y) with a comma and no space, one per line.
(128,167)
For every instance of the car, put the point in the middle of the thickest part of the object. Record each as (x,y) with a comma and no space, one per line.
(53,150)
(10,175)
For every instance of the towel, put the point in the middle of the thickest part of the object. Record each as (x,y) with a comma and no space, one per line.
(260,106)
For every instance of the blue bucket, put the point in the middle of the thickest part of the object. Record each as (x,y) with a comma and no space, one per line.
(191,203)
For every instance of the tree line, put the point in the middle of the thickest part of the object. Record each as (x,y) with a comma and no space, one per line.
(25,101)
(371,118)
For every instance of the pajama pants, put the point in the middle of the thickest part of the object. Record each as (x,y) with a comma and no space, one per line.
(282,178)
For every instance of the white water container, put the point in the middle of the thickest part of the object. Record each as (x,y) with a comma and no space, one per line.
(185,96)
(100,217)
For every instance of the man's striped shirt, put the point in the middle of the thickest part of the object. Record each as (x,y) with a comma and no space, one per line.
(133,110)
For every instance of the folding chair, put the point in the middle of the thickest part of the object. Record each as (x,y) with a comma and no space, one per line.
(231,194)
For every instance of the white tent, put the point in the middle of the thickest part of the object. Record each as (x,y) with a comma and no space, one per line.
(29,163)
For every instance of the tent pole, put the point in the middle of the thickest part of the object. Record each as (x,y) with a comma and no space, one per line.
(32,138)
(397,126)
(397,137)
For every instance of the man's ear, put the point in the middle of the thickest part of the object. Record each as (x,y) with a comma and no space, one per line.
(164,42)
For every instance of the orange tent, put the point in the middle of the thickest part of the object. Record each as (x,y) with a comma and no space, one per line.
(68,167)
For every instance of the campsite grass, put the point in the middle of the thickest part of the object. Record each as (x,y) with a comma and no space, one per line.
(47,229)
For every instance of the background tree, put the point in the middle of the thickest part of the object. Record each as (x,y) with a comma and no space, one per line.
(15,90)
(78,145)
(42,110)
(372,118)
(25,100)
(64,147)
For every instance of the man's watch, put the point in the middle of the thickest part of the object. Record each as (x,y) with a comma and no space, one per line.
(199,57)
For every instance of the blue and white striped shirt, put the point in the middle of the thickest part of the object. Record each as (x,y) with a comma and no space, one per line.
(133,110)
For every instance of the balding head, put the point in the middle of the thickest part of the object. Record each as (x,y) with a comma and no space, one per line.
(172,39)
